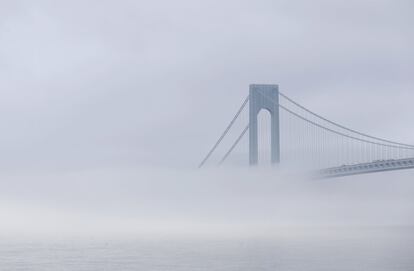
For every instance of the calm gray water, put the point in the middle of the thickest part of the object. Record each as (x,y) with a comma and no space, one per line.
(332,249)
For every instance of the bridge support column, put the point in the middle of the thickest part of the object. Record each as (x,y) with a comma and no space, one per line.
(264,97)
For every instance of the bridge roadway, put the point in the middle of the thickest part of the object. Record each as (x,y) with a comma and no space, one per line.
(372,167)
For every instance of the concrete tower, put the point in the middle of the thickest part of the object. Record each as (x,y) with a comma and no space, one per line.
(264,97)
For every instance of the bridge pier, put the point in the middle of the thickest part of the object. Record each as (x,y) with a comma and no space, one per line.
(264,97)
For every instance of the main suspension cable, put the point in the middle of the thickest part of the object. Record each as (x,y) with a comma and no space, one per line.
(339,133)
(224,133)
(331,130)
(343,127)
(234,145)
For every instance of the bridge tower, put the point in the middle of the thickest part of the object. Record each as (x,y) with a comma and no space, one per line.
(264,97)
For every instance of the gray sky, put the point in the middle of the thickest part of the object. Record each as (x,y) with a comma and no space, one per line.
(114,83)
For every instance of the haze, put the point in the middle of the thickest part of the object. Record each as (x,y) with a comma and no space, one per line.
(107,104)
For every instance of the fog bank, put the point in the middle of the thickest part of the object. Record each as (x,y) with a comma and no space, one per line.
(153,201)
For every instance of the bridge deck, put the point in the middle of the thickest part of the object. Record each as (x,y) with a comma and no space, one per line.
(376,166)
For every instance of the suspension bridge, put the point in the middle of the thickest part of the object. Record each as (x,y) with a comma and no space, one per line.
(300,137)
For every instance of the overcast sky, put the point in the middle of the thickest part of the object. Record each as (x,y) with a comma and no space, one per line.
(114,83)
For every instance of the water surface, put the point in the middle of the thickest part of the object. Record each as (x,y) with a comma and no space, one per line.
(310,249)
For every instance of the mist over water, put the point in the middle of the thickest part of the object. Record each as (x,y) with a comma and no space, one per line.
(223,202)
(229,219)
